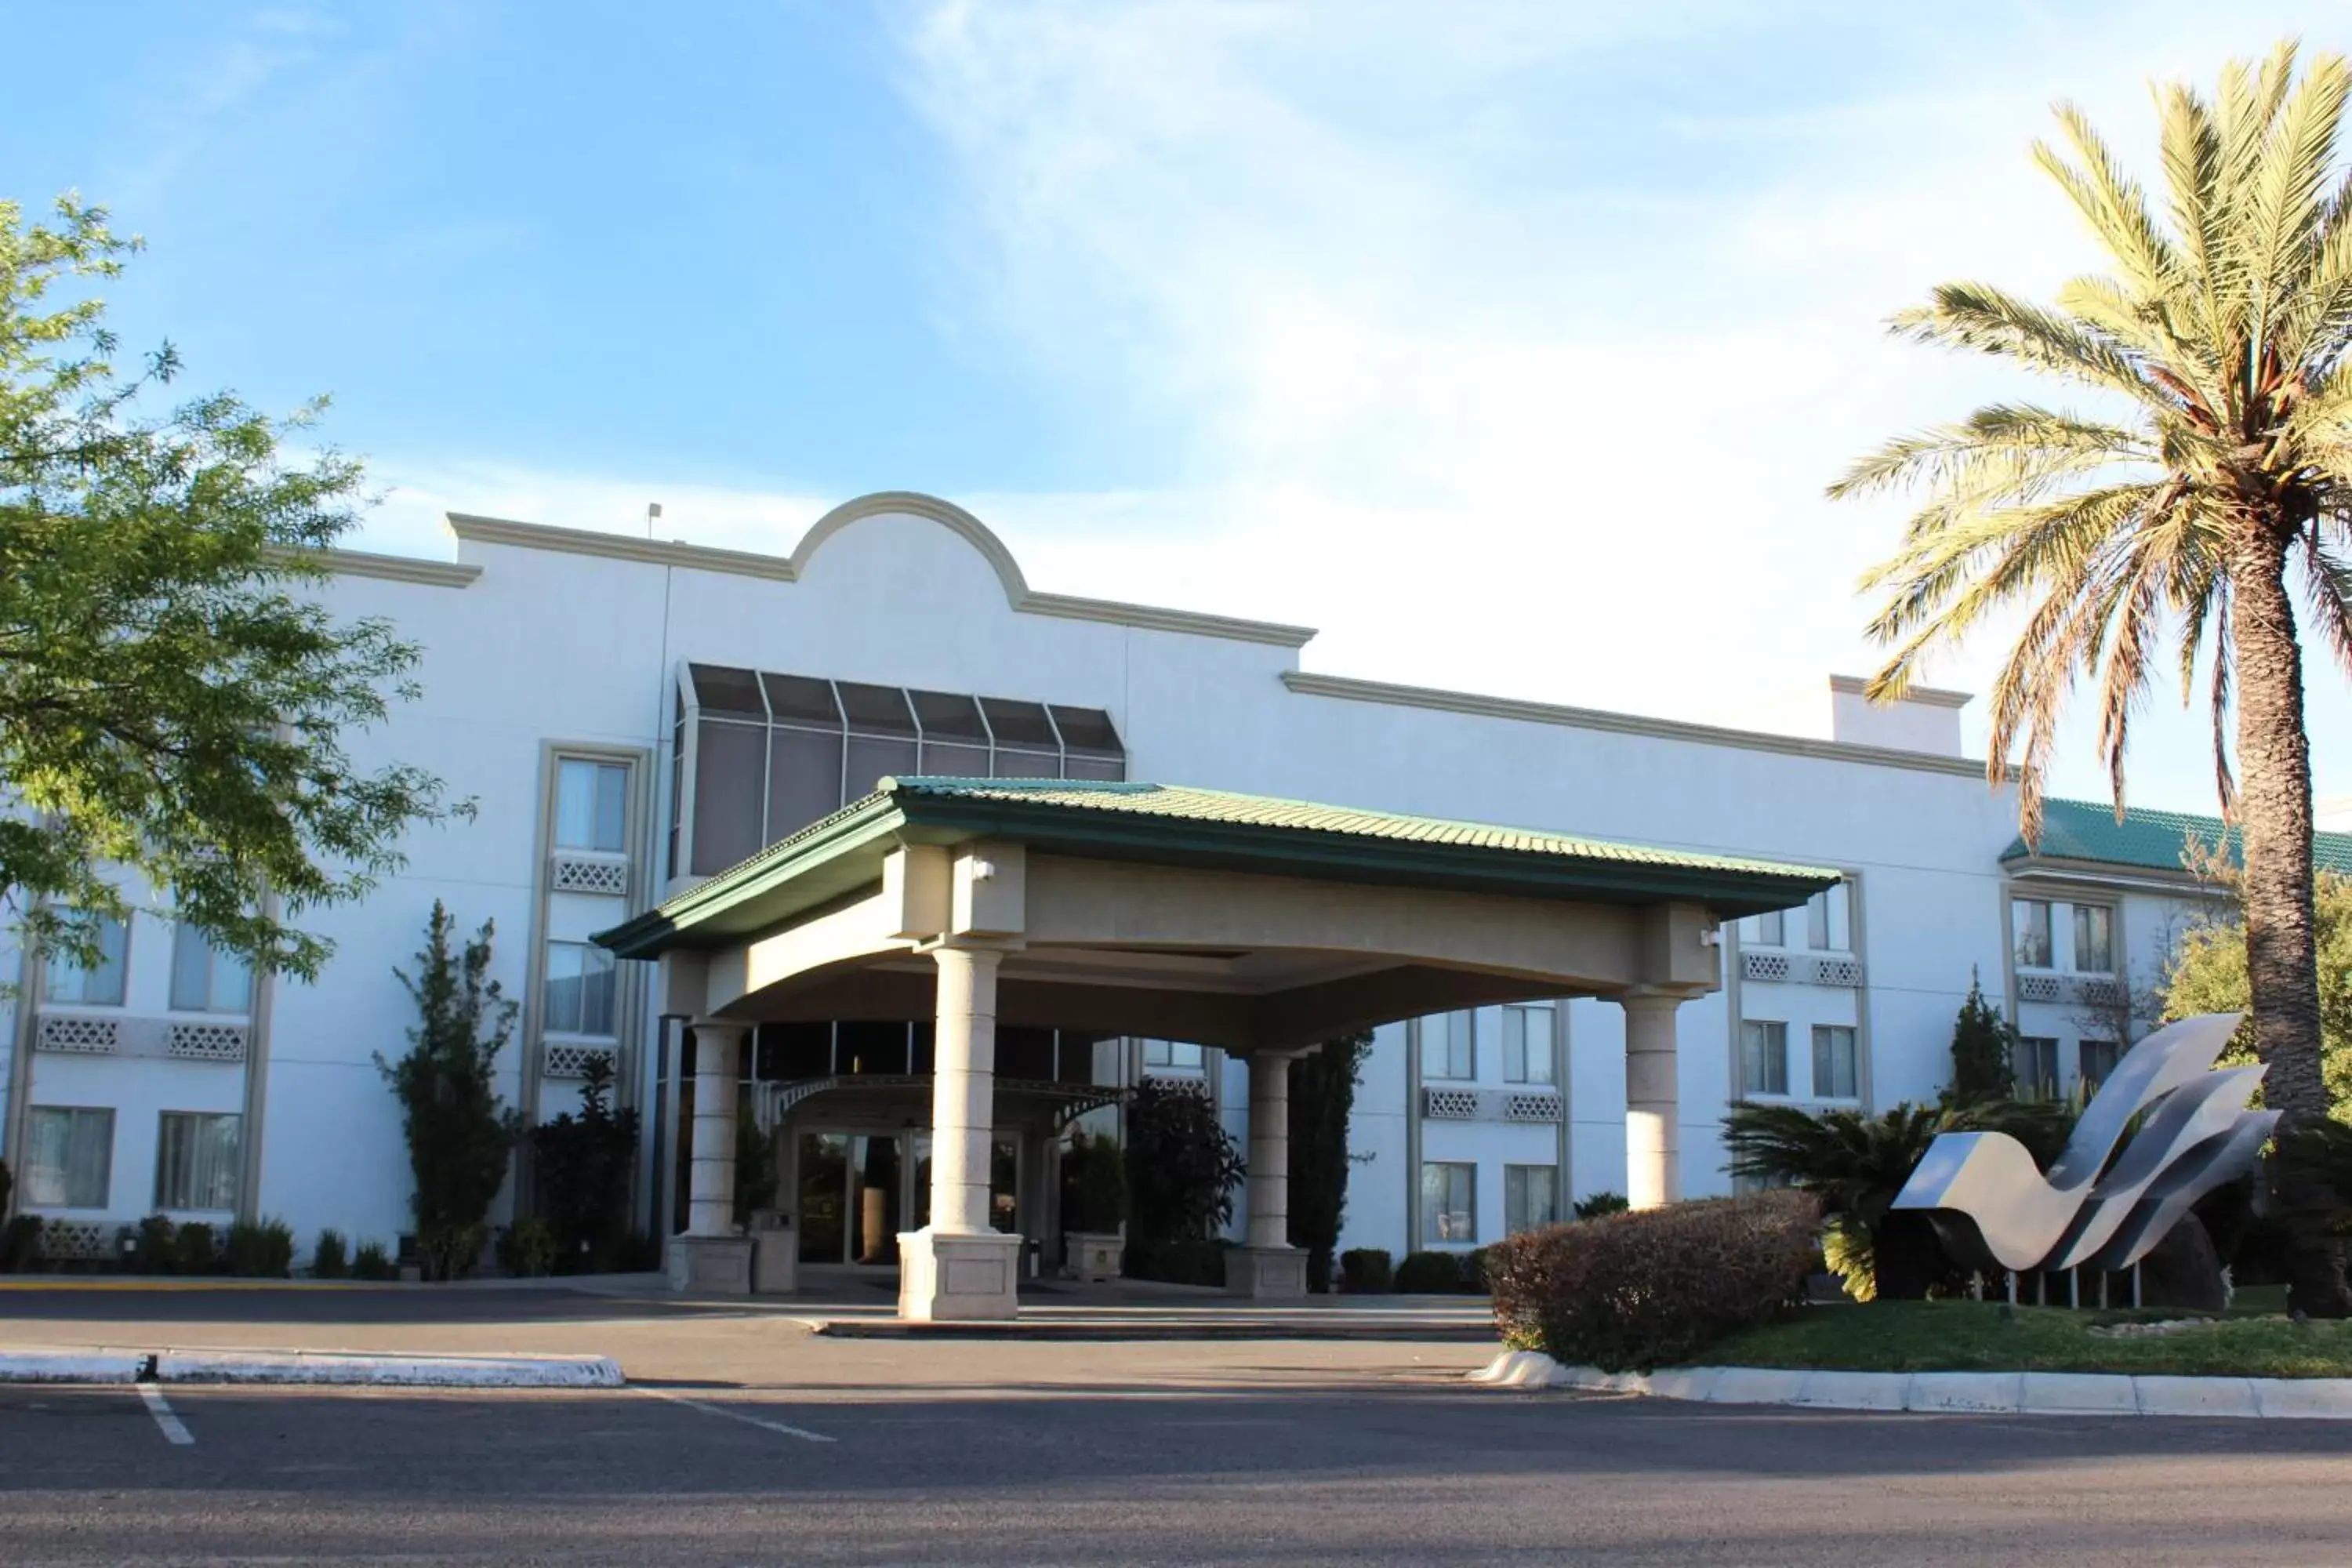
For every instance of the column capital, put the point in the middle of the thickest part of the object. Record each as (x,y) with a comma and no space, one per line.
(1654,997)
(735,1027)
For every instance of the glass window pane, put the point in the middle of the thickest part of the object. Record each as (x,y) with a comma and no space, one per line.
(1530,1197)
(801,700)
(1835,1071)
(875,709)
(196,1164)
(575,803)
(68,1157)
(595,991)
(803,779)
(1155,1053)
(611,824)
(2036,1065)
(1028,765)
(1770,929)
(722,690)
(2030,920)
(1817,921)
(728,764)
(1448,1211)
(2095,1060)
(871,760)
(192,970)
(1764,1057)
(2093,940)
(560,1010)
(1087,729)
(946,717)
(1021,724)
(1527,1044)
(67,981)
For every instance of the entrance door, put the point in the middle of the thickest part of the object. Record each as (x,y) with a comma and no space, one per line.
(823,1215)
(874,1165)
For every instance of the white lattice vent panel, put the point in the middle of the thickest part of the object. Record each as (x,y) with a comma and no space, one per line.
(1841,971)
(566,1058)
(76,1240)
(1177,1082)
(1764,966)
(1449,1104)
(83,1033)
(206,1042)
(2037,988)
(1532,1105)
(2098,990)
(604,875)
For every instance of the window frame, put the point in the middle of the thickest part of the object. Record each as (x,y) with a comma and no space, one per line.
(1748,1090)
(2084,1048)
(2041,1088)
(28,1178)
(1467,1171)
(1825,1039)
(603,964)
(1512,1221)
(1526,1014)
(231,1167)
(1167,1056)
(597,769)
(214,963)
(2018,929)
(2106,915)
(1466,1038)
(60,965)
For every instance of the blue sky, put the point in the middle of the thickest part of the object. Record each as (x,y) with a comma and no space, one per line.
(1511,345)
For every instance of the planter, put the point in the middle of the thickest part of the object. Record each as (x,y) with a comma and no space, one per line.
(1091,1256)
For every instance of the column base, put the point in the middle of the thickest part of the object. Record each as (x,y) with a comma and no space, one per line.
(718,1264)
(1267,1273)
(955,1277)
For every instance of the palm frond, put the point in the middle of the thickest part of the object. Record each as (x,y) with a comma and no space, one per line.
(2327,582)
(2112,203)
(1979,317)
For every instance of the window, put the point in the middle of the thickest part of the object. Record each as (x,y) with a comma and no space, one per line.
(67,981)
(1836,1075)
(1172,1054)
(1530,1197)
(2035,1061)
(2030,929)
(197,1160)
(1447,1050)
(579,990)
(2094,1059)
(204,978)
(1449,1201)
(2095,947)
(69,1156)
(1773,929)
(592,805)
(1527,1055)
(1817,919)
(1763,1058)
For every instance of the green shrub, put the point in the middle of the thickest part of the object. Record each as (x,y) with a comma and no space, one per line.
(263,1251)
(20,1244)
(373,1262)
(1655,1287)
(195,1250)
(1094,1185)
(330,1255)
(154,1247)
(450,1251)
(1474,1271)
(582,1176)
(1175,1262)
(1429,1273)
(1600,1204)
(1367,1271)
(527,1248)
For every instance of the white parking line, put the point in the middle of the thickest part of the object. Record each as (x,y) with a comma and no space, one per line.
(175,1431)
(801,1432)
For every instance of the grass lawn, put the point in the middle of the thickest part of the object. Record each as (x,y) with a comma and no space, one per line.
(1974,1336)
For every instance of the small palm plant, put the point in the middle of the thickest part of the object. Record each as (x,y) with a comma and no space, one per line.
(2208,479)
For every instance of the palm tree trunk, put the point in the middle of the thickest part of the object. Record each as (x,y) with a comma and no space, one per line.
(2274,817)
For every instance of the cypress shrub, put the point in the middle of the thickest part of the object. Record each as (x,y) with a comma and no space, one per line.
(331,1257)
(1367,1271)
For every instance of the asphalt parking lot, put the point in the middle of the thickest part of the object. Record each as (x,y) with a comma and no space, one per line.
(747,1440)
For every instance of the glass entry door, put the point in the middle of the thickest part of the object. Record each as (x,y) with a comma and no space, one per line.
(857,1190)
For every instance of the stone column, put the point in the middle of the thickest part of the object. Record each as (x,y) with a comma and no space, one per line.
(1269,1266)
(1652,1170)
(958,1267)
(712,1254)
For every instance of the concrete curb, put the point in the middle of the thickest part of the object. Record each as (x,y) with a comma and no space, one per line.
(315,1368)
(1947,1393)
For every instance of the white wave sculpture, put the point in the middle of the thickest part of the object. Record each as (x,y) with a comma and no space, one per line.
(1996,1209)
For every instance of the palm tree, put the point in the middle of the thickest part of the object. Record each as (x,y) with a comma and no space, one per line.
(2209,476)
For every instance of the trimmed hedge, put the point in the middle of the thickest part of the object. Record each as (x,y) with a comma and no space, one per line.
(1654,1287)
(1175,1262)
(1430,1274)
(1367,1271)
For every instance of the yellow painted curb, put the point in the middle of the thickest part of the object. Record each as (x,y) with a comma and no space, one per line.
(101,1282)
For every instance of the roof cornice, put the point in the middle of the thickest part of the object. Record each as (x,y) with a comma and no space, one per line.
(399,568)
(1311,685)
(790,569)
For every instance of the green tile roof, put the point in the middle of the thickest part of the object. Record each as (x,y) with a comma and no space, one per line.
(2146,840)
(1174,824)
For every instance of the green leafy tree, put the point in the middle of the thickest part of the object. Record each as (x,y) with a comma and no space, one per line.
(1322,1094)
(459,1133)
(2208,973)
(169,702)
(1984,1061)
(1182,1166)
(2208,477)
(582,1164)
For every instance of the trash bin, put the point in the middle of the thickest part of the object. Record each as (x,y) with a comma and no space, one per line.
(775,1253)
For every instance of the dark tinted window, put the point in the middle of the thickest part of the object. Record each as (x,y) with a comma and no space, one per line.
(946,718)
(797,699)
(720,690)
(1087,729)
(1020,723)
(875,709)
